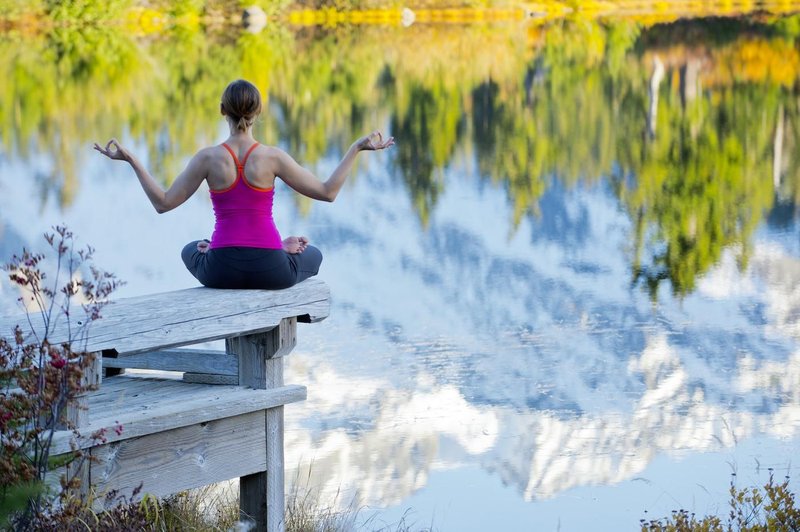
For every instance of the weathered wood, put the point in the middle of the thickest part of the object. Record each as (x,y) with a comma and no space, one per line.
(255,349)
(188,360)
(275,465)
(253,496)
(261,366)
(203,404)
(117,392)
(175,435)
(109,371)
(173,404)
(210,378)
(170,461)
(76,414)
(141,324)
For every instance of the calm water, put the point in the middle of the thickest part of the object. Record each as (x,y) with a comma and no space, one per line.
(567,299)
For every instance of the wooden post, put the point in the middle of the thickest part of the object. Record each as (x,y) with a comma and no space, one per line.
(261,366)
(76,416)
(77,413)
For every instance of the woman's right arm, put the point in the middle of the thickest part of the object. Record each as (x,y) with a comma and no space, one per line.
(163,200)
(306,183)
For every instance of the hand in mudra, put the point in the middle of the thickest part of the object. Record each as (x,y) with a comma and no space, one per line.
(295,244)
(374,141)
(113,150)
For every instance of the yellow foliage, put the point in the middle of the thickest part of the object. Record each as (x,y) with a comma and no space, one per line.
(775,61)
(145,21)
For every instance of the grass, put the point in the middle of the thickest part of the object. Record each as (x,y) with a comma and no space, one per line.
(216,509)
(306,512)
(207,509)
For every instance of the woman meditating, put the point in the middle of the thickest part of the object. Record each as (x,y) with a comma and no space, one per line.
(245,250)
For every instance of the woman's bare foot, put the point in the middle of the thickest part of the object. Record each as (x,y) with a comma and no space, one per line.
(202,246)
(295,244)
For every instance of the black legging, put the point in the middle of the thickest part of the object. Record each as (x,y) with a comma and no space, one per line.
(241,267)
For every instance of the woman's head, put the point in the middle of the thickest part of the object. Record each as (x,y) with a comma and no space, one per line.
(241,104)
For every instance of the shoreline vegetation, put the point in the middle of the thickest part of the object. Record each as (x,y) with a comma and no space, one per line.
(154,16)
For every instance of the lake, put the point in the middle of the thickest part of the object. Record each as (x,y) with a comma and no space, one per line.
(567,299)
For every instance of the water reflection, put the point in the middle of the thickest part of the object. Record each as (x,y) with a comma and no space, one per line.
(580,256)
(534,359)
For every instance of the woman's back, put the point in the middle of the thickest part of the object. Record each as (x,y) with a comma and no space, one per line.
(242,209)
(258,164)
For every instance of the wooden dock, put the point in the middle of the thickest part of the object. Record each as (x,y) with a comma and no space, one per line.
(223,419)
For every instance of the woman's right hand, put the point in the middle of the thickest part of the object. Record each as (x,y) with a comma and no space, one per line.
(114,150)
(295,244)
(374,141)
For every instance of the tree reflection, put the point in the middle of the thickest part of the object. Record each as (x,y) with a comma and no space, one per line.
(429,124)
(696,155)
(701,188)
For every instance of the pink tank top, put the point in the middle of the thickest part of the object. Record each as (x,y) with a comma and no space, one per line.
(243,212)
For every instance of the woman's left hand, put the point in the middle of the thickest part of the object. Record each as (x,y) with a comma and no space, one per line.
(114,150)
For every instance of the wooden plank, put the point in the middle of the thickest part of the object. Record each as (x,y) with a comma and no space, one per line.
(165,412)
(186,403)
(208,378)
(214,314)
(167,396)
(189,360)
(145,397)
(123,388)
(183,458)
(145,323)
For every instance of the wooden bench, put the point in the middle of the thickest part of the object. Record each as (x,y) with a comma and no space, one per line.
(223,420)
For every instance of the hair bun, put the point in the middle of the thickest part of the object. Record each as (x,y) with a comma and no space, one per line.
(241,103)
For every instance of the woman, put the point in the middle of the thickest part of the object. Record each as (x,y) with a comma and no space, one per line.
(245,250)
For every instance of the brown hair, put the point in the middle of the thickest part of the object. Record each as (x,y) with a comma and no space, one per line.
(241,102)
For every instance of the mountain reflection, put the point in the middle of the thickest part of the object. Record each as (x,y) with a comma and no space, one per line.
(550,377)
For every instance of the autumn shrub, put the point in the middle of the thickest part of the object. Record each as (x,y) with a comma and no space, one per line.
(42,364)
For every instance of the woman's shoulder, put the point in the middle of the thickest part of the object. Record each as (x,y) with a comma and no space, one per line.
(272,155)
(210,152)
(269,151)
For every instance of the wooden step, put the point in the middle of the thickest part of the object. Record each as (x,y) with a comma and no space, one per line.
(147,405)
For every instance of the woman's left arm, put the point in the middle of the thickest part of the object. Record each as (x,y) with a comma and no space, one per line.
(163,200)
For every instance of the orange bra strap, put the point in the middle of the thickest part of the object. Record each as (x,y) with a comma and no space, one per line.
(235,159)
(246,155)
